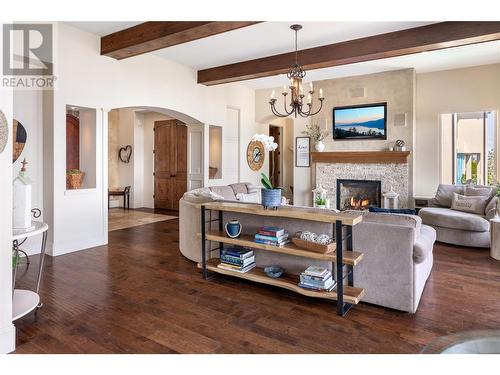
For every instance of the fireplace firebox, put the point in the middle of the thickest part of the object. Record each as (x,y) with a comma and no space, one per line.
(358,194)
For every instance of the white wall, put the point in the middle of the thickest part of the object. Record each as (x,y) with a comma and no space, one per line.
(472,89)
(7,330)
(27,110)
(89,80)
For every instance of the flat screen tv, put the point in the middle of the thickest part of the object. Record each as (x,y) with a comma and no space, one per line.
(366,121)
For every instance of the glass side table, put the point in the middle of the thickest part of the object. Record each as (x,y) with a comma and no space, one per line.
(25,301)
(472,342)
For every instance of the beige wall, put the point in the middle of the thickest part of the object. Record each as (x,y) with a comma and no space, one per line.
(460,90)
(395,87)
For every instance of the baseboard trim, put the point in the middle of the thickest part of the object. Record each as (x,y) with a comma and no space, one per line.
(8,339)
(72,246)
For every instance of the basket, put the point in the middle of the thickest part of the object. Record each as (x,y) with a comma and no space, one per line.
(74,181)
(313,246)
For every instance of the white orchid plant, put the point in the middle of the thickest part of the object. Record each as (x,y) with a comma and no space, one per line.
(269,145)
(266,140)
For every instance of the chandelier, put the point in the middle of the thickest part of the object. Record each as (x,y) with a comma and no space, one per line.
(296,105)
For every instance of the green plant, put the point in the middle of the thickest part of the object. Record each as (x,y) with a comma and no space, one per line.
(321,201)
(73,171)
(315,132)
(267,184)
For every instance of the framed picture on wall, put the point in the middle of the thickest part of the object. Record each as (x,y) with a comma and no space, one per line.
(302,151)
(367,121)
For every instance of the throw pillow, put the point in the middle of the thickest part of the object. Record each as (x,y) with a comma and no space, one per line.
(482,191)
(475,205)
(249,198)
(444,194)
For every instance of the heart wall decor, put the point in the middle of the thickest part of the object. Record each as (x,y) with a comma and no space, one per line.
(125,153)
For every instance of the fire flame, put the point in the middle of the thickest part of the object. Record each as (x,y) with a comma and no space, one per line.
(359,203)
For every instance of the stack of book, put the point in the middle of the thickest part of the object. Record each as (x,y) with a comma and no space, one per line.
(317,278)
(272,236)
(237,259)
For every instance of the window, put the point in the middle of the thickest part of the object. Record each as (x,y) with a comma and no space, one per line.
(468,148)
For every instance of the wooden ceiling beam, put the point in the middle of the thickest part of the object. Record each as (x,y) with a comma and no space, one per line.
(398,43)
(152,36)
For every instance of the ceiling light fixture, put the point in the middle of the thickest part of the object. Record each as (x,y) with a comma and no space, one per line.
(295,75)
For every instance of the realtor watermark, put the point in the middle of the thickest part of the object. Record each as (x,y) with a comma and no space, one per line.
(28,56)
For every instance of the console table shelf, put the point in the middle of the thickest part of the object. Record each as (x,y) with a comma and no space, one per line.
(290,282)
(291,212)
(341,258)
(350,257)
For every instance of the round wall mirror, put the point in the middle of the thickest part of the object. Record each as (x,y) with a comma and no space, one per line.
(4,132)
(19,137)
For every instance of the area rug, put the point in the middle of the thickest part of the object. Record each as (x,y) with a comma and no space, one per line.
(121,219)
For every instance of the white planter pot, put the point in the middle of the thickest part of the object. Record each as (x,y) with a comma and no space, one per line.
(319,146)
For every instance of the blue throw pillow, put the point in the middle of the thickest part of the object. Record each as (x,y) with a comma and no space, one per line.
(406,211)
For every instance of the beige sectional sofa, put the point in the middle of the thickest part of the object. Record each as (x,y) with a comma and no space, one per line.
(397,248)
(458,227)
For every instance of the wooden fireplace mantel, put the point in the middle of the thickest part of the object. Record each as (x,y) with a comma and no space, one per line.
(361,157)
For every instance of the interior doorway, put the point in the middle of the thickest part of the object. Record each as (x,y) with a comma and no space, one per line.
(170,160)
(275,158)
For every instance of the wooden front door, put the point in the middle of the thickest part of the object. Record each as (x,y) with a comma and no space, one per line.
(170,176)
(72,142)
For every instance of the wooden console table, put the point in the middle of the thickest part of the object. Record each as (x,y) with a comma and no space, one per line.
(343,261)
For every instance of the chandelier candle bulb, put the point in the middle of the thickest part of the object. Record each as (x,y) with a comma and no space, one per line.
(311,87)
(321,93)
(284,89)
(309,99)
(272,94)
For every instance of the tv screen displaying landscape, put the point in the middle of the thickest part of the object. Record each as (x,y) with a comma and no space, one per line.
(360,122)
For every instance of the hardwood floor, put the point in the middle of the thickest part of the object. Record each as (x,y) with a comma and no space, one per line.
(139,295)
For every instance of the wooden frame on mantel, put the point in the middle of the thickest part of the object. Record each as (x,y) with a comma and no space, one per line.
(361,157)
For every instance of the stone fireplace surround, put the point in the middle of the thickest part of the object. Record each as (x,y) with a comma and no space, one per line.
(395,175)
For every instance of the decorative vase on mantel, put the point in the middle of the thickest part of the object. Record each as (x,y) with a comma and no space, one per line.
(319,146)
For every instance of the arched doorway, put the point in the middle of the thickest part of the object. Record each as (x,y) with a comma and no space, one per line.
(148,153)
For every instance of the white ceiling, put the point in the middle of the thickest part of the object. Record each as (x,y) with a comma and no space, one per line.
(270,38)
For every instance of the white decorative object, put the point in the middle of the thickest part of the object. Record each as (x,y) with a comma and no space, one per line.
(400,145)
(319,194)
(390,199)
(266,140)
(22,200)
(319,146)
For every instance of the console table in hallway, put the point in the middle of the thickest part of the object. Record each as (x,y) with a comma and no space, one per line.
(343,259)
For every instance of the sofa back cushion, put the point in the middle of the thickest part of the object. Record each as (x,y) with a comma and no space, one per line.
(471,204)
(412,221)
(225,192)
(444,194)
(239,188)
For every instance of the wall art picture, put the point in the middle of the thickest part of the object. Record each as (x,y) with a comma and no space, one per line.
(367,121)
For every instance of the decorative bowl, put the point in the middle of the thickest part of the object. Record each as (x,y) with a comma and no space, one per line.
(273,271)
